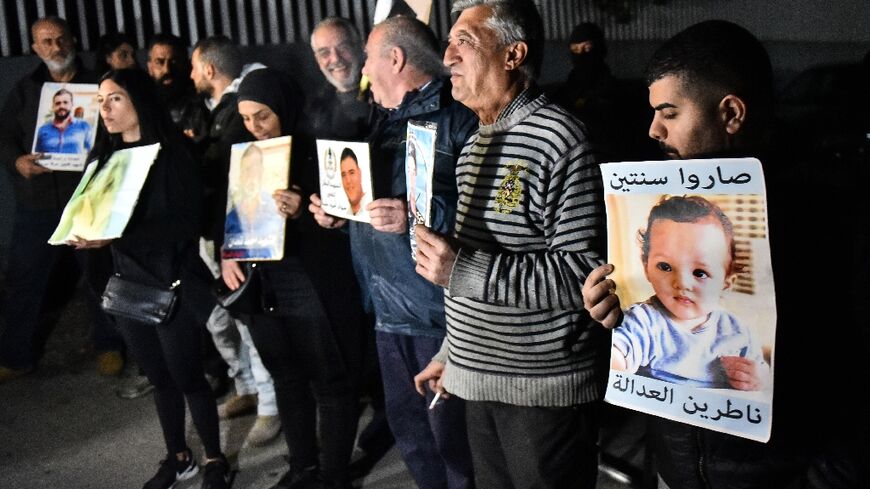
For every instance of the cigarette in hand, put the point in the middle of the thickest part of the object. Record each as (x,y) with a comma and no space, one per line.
(434,400)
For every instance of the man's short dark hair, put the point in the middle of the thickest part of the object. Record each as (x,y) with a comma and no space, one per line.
(716,58)
(416,40)
(179,48)
(221,52)
(62,91)
(514,21)
(348,153)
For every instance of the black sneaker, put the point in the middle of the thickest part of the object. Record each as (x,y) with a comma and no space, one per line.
(171,471)
(299,478)
(217,474)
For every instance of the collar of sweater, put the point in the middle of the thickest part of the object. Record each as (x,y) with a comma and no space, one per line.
(518,115)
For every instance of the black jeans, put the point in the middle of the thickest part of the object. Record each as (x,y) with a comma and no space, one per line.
(533,447)
(301,351)
(170,356)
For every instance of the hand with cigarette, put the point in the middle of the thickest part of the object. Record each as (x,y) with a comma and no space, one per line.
(431,375)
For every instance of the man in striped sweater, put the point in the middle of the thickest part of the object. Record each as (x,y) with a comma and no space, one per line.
(520,349)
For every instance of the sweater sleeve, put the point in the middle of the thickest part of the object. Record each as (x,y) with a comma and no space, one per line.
(572,210)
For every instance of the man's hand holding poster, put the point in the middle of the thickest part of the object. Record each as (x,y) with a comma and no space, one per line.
(688,241)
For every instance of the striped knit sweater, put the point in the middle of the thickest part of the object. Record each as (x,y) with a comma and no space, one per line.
(530,226)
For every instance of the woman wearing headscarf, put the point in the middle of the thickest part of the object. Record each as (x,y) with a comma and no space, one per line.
(310,343)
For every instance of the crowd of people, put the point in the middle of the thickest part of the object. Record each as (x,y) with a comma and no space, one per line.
(485,357)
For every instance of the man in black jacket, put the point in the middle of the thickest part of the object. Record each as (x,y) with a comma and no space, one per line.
(712,92)
(41,195)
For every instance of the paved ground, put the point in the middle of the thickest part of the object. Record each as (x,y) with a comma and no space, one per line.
(63,427)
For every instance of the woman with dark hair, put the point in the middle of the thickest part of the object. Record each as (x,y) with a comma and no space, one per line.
(154,249)
(115,51)
(311,343)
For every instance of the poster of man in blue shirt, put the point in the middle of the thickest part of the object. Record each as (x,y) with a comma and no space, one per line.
(64,133)
(65,125)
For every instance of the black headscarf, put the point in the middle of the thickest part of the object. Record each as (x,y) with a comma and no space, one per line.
(275,90)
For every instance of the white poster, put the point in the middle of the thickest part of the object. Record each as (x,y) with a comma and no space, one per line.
(688,240)
(66,125)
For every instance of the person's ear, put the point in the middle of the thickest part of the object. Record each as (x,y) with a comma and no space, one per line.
(208,70)
(732,111)
(730,280)
(515,55)
(397,59)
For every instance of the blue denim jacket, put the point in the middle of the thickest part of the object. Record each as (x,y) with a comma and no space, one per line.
(403,301)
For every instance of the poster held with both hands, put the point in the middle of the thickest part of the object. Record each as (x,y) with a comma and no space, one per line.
(254,230)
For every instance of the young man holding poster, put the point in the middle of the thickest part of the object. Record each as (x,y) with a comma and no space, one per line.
(40,196)
(711,89)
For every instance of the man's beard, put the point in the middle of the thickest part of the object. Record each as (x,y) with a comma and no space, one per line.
(169,92)
(203,88)
(61,115)
(61,66)
(347,84)
(670,151)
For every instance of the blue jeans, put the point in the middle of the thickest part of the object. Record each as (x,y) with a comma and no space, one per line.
(433,442)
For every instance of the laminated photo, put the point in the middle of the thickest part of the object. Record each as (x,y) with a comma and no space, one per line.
(103,201)
(66,125)
(254,229)
(345,179)
(419,167)
(689,243)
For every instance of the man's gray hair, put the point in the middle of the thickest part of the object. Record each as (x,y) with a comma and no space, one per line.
(54,20)
(221,52)
(514,21)
(417,42)
(350,30)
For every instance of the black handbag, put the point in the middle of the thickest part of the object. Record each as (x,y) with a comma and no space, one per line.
(140,302)
(252,297)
